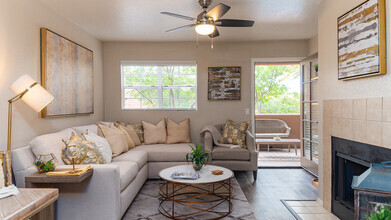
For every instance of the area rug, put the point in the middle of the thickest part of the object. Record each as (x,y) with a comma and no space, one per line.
(279,155)
(145,205)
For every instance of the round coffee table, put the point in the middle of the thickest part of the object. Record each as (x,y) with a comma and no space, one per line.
(208,195)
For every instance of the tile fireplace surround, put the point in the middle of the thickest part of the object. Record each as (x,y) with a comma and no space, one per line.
(366,120)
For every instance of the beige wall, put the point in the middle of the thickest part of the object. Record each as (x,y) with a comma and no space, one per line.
(20,23)
(223,54)
(330,87)
(313,45)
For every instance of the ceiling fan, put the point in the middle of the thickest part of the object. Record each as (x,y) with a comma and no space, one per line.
(206,21)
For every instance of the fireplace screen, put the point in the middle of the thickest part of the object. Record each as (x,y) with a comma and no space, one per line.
(372,205)
(372,191)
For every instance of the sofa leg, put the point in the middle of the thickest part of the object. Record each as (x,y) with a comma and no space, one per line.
(255,174)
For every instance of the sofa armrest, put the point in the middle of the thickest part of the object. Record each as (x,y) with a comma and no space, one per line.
(250,142)
(208,141)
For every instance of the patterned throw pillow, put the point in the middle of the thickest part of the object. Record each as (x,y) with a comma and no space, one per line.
(84,152)
(235,133)
(139,130)
(102,144)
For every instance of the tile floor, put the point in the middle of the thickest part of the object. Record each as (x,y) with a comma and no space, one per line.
(311,210)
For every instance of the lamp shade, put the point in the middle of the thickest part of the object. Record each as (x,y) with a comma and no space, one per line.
(36,97)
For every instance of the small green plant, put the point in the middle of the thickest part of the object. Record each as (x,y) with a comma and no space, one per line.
(45,166)
(316,67)
(380,213)
(198,157)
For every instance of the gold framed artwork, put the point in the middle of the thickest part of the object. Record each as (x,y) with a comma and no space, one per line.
(362,41)
(67,73)
(224,83)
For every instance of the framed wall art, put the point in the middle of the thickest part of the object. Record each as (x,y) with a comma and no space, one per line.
(224,83)
(67,73)
(362,41)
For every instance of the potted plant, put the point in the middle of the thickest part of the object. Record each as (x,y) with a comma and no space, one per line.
(198,157)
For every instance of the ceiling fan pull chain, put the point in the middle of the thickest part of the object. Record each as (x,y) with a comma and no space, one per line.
(211,46)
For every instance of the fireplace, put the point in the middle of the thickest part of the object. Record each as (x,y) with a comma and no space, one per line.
(350,158)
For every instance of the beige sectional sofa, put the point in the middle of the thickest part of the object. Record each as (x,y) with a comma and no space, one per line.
(112,187)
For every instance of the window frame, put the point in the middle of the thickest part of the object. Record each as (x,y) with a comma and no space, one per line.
(157,63)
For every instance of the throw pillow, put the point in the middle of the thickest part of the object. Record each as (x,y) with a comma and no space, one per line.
(178,132)
(155,134)
(131,132)
(51,143)
(139,130)
(115,138)
(84,152)
(102,144)
(2,177)
(235,133)
(128,139)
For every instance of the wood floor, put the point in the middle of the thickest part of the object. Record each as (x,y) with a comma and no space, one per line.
(273,185)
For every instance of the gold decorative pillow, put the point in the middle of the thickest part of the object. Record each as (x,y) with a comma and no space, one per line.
(155,134)
(178,132)
(235,133)
(139,130)
(115,137)
(83,151)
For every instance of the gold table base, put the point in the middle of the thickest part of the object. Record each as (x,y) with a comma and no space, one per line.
(190,196)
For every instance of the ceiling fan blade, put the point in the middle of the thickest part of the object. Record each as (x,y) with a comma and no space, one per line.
(214,34)
(180,28)
(178,16)
(234,23)
(218,11)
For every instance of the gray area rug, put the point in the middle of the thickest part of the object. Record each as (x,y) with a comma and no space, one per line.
(145,205)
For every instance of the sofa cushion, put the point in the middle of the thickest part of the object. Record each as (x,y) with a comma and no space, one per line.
(155,134)
(115,138)
(140,157)
(165,152)
(51,143)
(178,132)
(225,153)
(127,172)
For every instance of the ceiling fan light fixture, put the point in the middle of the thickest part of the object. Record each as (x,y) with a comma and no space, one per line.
(204,29)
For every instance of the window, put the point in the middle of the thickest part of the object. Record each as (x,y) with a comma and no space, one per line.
(277,88)
(159,85)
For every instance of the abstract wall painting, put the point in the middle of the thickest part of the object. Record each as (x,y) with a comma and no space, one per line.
(362,41)
(67,73)
(224,83)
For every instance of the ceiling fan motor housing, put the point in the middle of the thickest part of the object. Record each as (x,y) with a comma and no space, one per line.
(205,3)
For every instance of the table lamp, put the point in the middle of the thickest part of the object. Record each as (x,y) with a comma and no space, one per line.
(35,96)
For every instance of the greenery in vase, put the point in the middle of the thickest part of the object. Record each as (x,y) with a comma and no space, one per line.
(45,166)
(316,67)
(380,213)
(198,156)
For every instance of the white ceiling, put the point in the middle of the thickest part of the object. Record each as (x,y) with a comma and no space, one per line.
(140,20)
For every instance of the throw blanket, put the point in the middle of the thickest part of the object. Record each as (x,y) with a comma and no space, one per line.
(216,136)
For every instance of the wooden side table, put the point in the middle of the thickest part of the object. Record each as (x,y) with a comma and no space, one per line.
(37,180)
(268,142)
(28,203)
